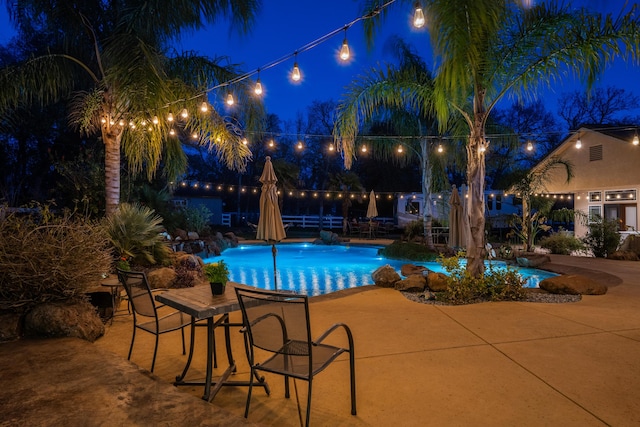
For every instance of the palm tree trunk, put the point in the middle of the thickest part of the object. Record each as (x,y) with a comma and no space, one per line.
(427,215)
(475,178)
(112,137)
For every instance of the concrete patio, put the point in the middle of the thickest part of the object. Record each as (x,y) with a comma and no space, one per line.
(493,364)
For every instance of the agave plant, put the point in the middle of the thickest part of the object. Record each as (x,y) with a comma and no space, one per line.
(135,234)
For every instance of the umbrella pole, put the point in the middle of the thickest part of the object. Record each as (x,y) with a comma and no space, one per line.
(274,251)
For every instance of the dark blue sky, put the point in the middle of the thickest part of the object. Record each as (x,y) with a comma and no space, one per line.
(284,26)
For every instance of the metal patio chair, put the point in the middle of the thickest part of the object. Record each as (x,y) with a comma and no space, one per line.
(145,310)
(278,323)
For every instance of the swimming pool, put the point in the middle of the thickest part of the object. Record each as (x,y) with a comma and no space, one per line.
(321,269)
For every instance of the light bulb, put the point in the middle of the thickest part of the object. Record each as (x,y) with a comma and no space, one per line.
(230,100)
(184,113)
(418,17)
(331,148)
(172,132)
(204,107)
(132,125)
(170,117)
(295,73)
(143,122)
(636,141)
(271,143)
(344,50)
(155,120)
(400,149)
(121,122)
(440,148)
(258,88)
(103,120)
(578,143)
(244,141)
(482,149)
(194,135)
(299,145)
(529,146)
(364,149)
(111,122)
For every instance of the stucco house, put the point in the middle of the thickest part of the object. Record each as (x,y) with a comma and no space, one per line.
(606,166)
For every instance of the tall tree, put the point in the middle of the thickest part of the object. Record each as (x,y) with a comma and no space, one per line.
(486,49)
(402,98)
(600,106)
(111,63)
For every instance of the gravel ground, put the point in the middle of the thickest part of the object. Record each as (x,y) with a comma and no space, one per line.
(534,295)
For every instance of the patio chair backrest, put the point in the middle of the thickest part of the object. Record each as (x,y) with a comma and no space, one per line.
(138,291)
(276,320)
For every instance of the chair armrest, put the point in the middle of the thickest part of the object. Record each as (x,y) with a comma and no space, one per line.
(332,329)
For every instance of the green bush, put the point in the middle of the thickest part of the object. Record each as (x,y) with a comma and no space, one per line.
(409,251)
(603,237)
(414,229)
(135,234)
(561,243)
(197,219)
(50,258)
(495,285)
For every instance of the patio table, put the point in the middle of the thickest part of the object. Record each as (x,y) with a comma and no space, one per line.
(201,304)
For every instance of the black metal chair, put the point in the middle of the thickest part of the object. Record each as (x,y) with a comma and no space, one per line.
(145,310)
(278,323)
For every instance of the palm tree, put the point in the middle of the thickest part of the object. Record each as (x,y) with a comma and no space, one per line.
(486,49)
(111,63)
(401,98)
(532,183)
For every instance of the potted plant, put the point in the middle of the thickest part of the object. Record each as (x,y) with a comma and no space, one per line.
(218,275)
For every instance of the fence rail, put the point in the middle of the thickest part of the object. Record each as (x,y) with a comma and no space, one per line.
(305,221)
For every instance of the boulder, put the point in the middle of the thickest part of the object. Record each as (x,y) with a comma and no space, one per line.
(410,269)
(161,278)
(63,319)
(232,238)
(385,276)
(413,283)
(437,282)
(9,326)
(626,255)
(532,260)
(192,235)
(189,261)
(330,238)
(572,284)
(180,234)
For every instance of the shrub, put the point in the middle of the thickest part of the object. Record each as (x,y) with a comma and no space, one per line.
(603,237)
(495,285)
(561,243)
(49,258)
(197,219)
(414,229)
(135,234)
(408,250)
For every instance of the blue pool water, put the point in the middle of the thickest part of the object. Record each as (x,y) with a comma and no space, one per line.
(321,269)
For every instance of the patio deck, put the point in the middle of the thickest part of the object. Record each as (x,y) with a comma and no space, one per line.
(493,364)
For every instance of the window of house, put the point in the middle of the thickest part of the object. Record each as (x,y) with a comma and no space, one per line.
(595,212)
(619,195)
(595,196)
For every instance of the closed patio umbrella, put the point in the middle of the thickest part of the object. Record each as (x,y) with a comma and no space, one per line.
(270,228)
(457,232)
(372,209)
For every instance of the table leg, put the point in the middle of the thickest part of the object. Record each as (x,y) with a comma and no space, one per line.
(180,377)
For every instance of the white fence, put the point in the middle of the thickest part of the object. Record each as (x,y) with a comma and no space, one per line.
(306,221)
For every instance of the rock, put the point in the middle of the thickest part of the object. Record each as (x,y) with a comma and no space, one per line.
(573,284)
(192,235)
(437,282)
(624,256)
(385,276)
(189,261)
(161,278)
(330,238)
(532,260)
(59,319)
(9,326)
(413,283)
(180,234)
(232,238)
(410,269)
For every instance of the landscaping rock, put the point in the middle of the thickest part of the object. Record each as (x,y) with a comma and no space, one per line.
(329,238)
(532,260)
(385,276)
(624,256)
(192,235)
(161,278)
(56,320)
(437,282)
(573,284)
(413,283)
(410,269)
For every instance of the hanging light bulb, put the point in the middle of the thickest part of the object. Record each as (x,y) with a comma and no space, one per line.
(579,143)
(400,149)
(271,143)
(155,120)
(331,147)
(184,113)
(132,125)
(295,73)
(418,16)
(111,122)
(143,122)
(529,146)
(244,141)
(194,135)
(230,100)
(170,117)
(636,141)
(258,87)
(103,120)
(121,122)
(299,145)
(364,149)
(204,107)
(344,50)
(440,148)
(172,132)
(482,148)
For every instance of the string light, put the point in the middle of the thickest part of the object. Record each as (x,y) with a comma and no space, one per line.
(440,148)
(121,122)
(579,143)
(299,145)
(295,73)
(364,149)
(204,107)
(155,120)
(636,141)
(344,50)
(172,132)
(170,117)
(258,87)
(418,16)
(230,100)
(529,146)
(400,149)
(184,113)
